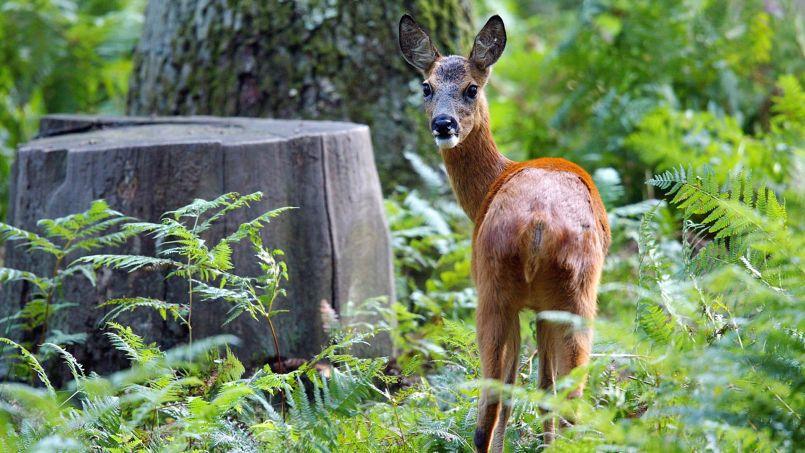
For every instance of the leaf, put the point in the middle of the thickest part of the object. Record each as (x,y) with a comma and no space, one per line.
(75,368)
(254,226)
(11,275)
(125,340)
(128,304)
(29,240)
(129,263)
(32,363)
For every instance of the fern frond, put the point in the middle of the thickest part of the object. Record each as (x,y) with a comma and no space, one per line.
(76,369)
(104,225)
(100,421)
(157,230)
(63,339)
(127,304)
(254,226)
(221,256)
(186,353)
(748,225)
(13,275)
(129,263)
(29,240)
(126,341)
(429,215)
(157,394)
(71,226)
(240,201)
(107,240)
(347,391)
(200,206)
(432,178)
(86,270)
(301,411)
(31,361)
(654,322)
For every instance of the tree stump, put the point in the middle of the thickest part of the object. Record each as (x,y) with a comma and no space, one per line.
(336,243)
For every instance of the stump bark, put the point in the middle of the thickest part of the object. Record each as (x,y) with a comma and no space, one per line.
(336,243)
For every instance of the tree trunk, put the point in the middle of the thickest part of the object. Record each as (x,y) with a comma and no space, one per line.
(336,242)
(321,59)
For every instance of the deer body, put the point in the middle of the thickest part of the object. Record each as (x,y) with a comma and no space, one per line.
(541,231)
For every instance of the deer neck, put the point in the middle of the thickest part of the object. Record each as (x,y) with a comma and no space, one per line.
(473,165)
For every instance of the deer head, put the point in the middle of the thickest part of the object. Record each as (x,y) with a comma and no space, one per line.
(453,86)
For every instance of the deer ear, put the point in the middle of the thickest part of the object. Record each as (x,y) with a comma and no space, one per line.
(489,43)
(416,45)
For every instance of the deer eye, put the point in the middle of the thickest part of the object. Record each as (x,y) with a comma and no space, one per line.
(426,89)
(472,91)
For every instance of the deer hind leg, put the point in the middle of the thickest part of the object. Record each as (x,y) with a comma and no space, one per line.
(498,331)
(561,349)
(547,371)
(511,362)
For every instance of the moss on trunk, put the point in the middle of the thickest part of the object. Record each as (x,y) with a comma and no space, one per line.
(316,59)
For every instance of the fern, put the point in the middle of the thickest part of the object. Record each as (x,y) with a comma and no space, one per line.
(249,229)
(76,369)
(126,341)
(27,239)
(14,275)
(31,361)
(130,263)
(123,305)
(100,421)
(748,225)
(338,396)
(206,269)
(61,239)
(659,316)
(655,323)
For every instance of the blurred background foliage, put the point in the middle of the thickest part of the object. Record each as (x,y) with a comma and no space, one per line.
(690,114)
(644,85)
(61,56)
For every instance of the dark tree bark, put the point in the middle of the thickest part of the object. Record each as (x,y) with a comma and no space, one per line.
(336,242)
(321,59)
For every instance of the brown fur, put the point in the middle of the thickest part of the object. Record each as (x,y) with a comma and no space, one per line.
(541,234)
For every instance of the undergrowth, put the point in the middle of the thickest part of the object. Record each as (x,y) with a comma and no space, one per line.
(699,342)
(711,359)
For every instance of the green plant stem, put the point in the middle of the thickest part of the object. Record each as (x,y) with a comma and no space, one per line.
(190,293)
(190,307)
(276,345)
(399,425)
(49,298)
(281,366)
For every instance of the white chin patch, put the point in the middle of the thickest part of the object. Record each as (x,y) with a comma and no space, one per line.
(446,143)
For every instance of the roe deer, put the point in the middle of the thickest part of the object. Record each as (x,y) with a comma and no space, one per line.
(541,230)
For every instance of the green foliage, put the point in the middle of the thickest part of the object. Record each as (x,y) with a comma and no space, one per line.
(668,138)
(31,361)
(709,356)
(182,396)
(430,239)
(207,269)
(699,339)
(748,225)
(61,56)
(578,81)
(60,240)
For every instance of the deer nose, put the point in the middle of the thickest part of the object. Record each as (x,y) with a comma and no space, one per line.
(444,126)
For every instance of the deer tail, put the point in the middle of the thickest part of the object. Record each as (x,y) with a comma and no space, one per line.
(544,244)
